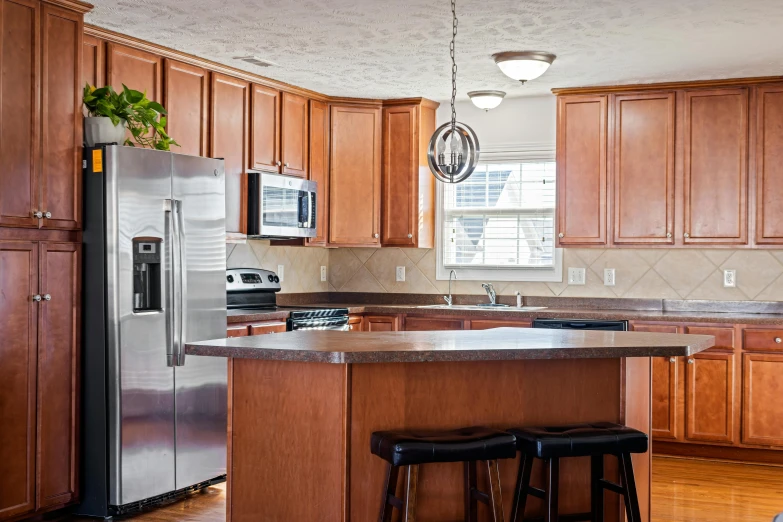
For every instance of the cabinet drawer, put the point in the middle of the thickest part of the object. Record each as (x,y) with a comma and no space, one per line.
(267,328)
(724,336)
(481,324)
(425,324)
(763,339)
(237,331)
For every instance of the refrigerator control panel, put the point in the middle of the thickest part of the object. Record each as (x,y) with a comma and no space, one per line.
(147,273)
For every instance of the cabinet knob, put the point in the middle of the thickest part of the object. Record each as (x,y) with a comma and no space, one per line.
(410,236)
(47,297)
(285,164)
(672,360)
(691,361)
(47,215)
(778,340)
(668,235)
(279,163)
(687,235)
(37,214)
(375,236)
(561,235)
(37,298)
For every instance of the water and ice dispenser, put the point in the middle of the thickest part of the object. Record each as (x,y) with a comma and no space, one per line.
(147,273)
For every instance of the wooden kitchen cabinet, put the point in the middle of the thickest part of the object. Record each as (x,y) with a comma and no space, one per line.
(769,164)
(581,170)
(665,387)
(762,408)
(267,328)
(716,166)
(355,176)
(643,168)
(424,324)
(294,149)
(93,61)
(381,323)
(265,129)
(355,323)
(237,330)
(186,98)
(137,69)
(229,129)
(709,398)
(408,187)
(319,169)
(486,324)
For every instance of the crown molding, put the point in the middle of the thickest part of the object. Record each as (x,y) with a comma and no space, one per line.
(698,84)
(72,5)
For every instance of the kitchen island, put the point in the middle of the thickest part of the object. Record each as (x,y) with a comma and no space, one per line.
(302,407)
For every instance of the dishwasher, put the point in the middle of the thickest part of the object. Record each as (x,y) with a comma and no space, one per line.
(580,324)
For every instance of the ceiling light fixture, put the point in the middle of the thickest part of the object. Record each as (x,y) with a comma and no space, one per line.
(486,99)
(523,65)
(454,148)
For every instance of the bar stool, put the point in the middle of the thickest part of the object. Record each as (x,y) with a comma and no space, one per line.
(410,449)
(579,440)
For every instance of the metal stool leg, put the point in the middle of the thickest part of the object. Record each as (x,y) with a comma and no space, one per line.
(629,485)
(551,493)
(495,500)
(412,484)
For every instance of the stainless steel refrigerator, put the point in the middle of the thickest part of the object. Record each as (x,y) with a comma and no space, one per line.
(153,421)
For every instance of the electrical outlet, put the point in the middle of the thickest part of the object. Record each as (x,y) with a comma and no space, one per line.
(281,272)
(323,274)
(400,274)
(729,278)
(576,276)
(608,276)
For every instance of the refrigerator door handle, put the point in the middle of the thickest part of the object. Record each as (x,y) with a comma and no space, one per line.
(183,282)
(172,298)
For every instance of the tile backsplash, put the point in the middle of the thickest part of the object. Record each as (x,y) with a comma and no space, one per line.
(639,273)
(302,271)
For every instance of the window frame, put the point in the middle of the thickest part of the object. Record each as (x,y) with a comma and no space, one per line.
(514,274)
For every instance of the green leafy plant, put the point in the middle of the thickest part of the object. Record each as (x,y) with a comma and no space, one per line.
(145,118)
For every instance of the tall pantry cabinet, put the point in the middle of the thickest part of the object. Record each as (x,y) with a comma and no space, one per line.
(41,53)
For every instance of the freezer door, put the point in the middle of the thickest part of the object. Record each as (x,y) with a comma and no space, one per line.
(201,382)
(140,382)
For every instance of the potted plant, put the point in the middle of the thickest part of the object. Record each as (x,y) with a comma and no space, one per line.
(110,113)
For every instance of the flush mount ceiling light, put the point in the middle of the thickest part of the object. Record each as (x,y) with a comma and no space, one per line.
(454,148)
(524,65)
(486,99)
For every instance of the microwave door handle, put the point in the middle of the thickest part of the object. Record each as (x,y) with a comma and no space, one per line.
(171,272)
(183,285)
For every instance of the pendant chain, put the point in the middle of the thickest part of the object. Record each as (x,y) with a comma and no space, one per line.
(453,65)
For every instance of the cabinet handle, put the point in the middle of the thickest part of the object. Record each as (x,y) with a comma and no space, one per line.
(691,361)
(672,360)
(285,164)
(37,214)
(37,298)
(687,235)
(410,236)
(668,235)
(375,236)
(778,340)
(47,297)
(47,215)
(561,235)
(279,163)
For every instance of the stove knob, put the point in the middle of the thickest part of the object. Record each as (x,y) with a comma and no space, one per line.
(230,278)
(277,279)
(271,279)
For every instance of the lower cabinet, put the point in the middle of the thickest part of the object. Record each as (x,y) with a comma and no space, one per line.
(709,398)
(259,328)
(355,323)
(762,407)
(237,331)
(381,323)
(486,324)
(39,361)
(424,324)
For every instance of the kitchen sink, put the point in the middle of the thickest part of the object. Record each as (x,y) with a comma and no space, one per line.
(500,308)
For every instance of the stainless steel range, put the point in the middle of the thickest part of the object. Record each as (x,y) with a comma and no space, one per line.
(254,289)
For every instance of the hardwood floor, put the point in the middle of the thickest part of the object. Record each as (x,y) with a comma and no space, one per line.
(682,491)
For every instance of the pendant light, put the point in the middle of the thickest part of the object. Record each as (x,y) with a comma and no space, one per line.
(486,99)
(524,65)
(454,148)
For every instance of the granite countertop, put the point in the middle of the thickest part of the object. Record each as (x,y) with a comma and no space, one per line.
(692,316)
(500,344)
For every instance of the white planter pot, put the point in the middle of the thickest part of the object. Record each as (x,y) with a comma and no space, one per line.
(99,129)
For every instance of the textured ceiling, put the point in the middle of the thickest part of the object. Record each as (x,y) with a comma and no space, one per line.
(392,49)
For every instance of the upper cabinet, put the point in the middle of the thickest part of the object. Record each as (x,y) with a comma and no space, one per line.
(319,167)
(137,69)
(265,129)
(355,176)
(408,187)
(581,170)
(715,173)
(186,98)
(769,164)
(643,168)
(293,142)
(230,138)
(93,61)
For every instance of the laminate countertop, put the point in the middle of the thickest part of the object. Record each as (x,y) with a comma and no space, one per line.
(500,344)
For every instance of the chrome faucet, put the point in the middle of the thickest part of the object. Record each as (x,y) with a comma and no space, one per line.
(448,298)
(490,292)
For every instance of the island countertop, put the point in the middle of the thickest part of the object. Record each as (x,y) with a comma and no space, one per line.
(500,344)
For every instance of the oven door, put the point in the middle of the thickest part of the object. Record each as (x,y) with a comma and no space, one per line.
(281,206)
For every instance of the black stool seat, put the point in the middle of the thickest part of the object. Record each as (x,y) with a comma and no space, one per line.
(579,440)
(405,448)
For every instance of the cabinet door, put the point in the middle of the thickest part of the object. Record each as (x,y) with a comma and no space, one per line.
(186,98)
(762,408)
(265,129)
(482,324)
(769,165)
(294,135)
(18,323)
(19,112)
(229,131)
(267,328)
(581,170)
(58,373)
(716,166)
(709,398)
(93,61)
(355,323)
(319,167)
(425,324)
(381,323)
(355,176)
(665,378)
(61,123)
(237,331)
(399,187)
(643,168)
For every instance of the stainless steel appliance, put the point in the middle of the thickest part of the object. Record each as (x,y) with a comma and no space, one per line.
(280,206)
(253,289)
(154,421)
(580,324)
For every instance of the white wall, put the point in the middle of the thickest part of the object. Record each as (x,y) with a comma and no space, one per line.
(521,122)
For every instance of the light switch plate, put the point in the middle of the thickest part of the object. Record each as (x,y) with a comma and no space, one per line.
(400,274)
(323,273)
(729,278)
(281,272)
(576,276)
(608,276)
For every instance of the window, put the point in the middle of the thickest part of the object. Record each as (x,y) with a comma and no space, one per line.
(499,224)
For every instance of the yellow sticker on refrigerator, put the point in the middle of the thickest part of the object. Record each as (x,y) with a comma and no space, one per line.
(97,161)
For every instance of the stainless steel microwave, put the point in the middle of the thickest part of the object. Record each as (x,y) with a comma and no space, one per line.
(280,207)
